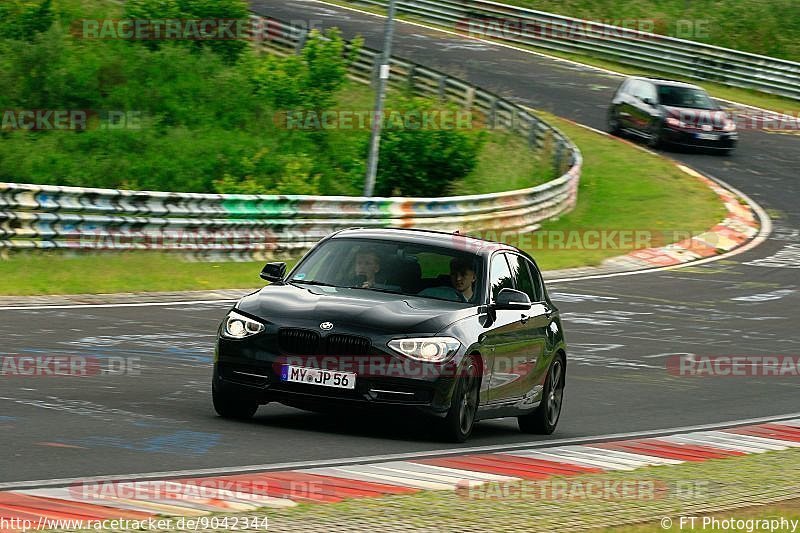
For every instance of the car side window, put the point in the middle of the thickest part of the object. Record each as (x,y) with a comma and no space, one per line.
(633,88)
(649,91)
(500,275)
(521,276)
(538,284)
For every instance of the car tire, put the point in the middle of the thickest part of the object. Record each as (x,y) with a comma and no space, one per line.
(654,137)
(228,406)
(544,419)
(613,124)
(460,419)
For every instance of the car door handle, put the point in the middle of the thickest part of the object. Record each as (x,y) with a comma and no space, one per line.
(524,318)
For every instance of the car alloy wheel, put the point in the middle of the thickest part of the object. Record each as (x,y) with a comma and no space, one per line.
(460,418)
(544,419)
(556,395)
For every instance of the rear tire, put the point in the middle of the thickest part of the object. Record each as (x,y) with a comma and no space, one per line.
(544,419)
(457,425)
(228,406)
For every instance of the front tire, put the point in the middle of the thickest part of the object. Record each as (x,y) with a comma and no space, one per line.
(228,406)
(613,124)
(654,136)
(544,419)
(457,425)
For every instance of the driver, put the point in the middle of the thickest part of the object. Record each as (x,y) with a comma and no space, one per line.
(462,277)
(367,265)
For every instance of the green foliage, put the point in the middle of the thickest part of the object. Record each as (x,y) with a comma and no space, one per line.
(203,122)
(309,81)
(423,162)
(198,10)
(21,19)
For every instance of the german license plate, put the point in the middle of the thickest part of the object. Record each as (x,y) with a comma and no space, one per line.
(318,376)
(708,136)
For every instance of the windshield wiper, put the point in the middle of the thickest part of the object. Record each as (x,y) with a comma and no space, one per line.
(312,282)
(375,289)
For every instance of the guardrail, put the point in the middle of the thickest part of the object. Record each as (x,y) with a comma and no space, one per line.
(243,227)
(655,53)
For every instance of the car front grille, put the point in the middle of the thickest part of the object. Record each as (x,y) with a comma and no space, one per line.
(347,345)
(298,341)
(295,341)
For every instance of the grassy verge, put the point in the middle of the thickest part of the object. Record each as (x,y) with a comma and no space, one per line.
(622,187)
(744,96)
(46,273)
(654,493)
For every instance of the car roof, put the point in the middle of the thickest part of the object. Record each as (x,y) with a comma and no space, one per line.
(453,240)
(666,82)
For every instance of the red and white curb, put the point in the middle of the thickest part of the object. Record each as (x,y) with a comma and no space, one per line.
(247,492)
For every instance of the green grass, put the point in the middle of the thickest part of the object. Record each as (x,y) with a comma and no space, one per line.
(745,96)
(47,273)
(689,489)
(766,27)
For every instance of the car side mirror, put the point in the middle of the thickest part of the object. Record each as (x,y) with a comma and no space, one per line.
(649,101)
(512,299)
(273,272)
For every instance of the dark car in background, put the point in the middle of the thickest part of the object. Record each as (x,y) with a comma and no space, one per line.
(671,112)
(444,325)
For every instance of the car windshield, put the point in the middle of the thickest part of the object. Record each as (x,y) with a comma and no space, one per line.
(689,97)
(408,269)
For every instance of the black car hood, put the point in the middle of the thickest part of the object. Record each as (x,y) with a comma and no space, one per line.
(352,308)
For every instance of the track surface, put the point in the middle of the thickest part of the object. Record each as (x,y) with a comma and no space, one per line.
(619,329)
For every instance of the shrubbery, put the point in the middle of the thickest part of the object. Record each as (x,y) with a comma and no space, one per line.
(205,114)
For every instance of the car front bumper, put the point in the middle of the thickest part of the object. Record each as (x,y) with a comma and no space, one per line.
(244,368)
(724,140)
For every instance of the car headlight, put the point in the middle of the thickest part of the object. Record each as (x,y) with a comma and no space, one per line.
(239,326)
(428,349)
(729,125)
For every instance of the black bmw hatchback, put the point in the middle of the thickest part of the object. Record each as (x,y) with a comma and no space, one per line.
(447,326)
(671,112)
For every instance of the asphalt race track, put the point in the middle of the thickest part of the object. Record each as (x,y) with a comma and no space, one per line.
(620,330)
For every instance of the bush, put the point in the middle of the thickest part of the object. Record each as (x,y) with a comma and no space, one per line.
(424,162)
(193,10)
(23,20)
